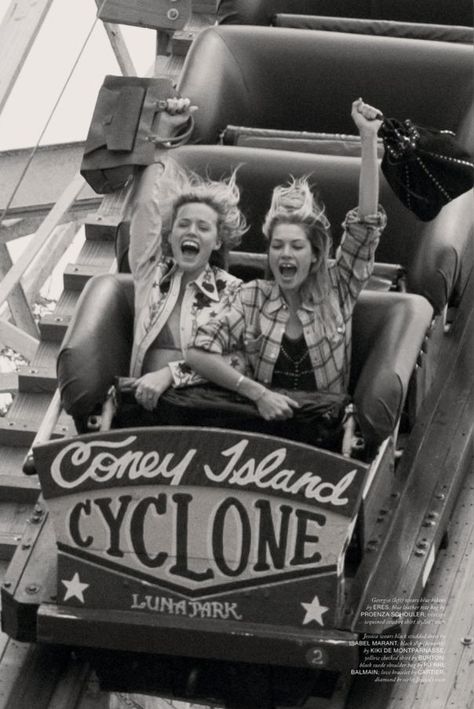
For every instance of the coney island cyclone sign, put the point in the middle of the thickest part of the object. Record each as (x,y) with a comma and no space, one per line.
(199,522)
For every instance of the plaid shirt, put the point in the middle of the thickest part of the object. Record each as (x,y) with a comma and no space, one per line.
(257,320)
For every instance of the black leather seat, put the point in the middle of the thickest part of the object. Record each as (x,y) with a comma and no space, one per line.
(306,80)
(389,329)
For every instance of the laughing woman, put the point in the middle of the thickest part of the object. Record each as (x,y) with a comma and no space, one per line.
(296,328)
(180,226)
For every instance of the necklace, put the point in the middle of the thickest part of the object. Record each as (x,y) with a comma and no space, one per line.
(292,366)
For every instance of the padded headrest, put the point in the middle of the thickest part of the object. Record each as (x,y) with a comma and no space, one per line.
(97,345)
(261,12)
(286,79)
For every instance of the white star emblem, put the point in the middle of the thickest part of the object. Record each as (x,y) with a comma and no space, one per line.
(74,588)
(314,611)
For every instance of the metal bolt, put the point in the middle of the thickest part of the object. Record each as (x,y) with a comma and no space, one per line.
(172,14)
(32,588)
(419,552)
(25,545)
(467,641)
(7,584)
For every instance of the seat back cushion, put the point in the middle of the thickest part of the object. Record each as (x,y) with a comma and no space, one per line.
(388,332)
(97,345)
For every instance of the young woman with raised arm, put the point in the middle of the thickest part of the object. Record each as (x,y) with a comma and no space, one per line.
(295,329)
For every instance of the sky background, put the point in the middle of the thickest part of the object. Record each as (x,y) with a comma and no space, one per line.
(48,65)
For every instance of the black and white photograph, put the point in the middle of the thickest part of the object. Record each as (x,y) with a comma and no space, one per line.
(236,354)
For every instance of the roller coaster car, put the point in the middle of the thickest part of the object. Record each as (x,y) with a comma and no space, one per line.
(300,80)
(209,559)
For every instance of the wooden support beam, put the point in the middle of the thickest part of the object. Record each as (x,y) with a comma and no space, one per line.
(19,488)
(156,14)
(19,307)
(11,336)
(120,50)
(37,274)
(51,168)
(37,380)
(8,382)
(42,235)
(76,275)
(20,25)
(53,327)
(30,219)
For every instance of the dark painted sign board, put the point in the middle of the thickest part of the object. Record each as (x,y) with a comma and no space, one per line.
(201,523)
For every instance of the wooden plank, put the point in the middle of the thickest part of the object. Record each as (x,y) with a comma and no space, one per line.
(18,31)
(8,544)
(37,379)
(161,14)
(8,382)
(36,276)
(99,228)
(120,50)
(76,275)
(52,167)
(119,47)
(19,488)
(17,302)
(181,41)
(27,220)
(206,7)
(11,336)
(42,235)
(22,431)
(53,327)
(16,433)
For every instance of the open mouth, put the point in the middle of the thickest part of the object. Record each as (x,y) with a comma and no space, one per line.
(190,247)
(287,270)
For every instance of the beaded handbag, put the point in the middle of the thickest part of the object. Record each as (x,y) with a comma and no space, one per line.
(425,167)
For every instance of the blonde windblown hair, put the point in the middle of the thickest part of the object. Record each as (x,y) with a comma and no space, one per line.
(177,187)
(295,203)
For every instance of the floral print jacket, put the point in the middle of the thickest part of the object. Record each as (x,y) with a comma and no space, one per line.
(157,281)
